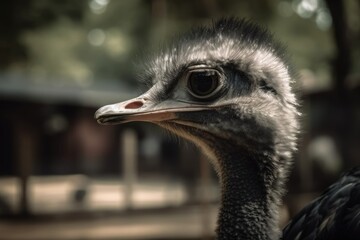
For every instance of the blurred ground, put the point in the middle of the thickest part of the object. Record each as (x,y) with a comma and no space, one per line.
(156,210)
(167,224)
(159,209)
(56,194)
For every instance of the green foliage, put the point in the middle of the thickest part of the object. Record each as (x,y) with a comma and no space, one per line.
(83,42)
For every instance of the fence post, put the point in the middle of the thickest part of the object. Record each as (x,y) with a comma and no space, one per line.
(129,165)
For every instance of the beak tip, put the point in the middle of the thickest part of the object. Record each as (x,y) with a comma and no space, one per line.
(99,114)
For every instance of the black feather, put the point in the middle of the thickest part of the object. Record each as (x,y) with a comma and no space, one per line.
(334,215)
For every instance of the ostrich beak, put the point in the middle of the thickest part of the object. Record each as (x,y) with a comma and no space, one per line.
(143,109)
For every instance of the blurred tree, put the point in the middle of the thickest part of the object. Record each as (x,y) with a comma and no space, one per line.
(23,15)
(343,110)
(90,41)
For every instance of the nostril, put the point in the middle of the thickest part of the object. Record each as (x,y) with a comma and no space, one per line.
(134,105)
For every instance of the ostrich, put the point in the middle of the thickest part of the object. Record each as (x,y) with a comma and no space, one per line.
(227,88)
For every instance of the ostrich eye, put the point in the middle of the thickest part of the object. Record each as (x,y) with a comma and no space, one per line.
(203,83)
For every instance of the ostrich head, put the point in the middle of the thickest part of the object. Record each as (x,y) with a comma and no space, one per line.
(226,88)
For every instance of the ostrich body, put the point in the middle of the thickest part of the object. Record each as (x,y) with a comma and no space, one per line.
(227,89)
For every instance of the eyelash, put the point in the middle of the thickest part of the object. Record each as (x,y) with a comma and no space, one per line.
(266,88)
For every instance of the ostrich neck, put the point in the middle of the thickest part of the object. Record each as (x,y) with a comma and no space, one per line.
(245,207)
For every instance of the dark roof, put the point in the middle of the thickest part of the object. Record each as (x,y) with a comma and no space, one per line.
(59,92)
